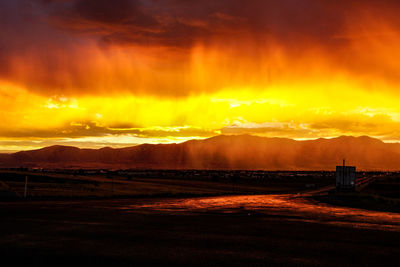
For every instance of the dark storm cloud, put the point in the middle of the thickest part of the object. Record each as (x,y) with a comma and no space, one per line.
(179,23)
(167,23)
(89,15)
(45,44)
(127,22)
(119,12)
(174,22)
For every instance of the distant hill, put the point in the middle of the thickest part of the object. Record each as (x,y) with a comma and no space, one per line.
(221,152)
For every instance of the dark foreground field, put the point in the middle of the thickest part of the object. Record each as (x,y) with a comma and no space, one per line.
(73,184)
(106,233)
(283,228)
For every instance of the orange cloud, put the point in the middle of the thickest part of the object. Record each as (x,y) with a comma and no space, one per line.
(192,69)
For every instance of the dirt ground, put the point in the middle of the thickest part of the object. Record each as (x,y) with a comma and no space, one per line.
(102,233)
(75,220)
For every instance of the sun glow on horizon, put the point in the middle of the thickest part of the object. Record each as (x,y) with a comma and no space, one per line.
(95,81)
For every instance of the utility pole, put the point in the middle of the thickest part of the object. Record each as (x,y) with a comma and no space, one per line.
(26,186)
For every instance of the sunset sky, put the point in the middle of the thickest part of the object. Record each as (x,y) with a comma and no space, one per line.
(95,73)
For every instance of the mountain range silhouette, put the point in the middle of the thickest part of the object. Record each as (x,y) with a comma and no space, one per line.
(221,152)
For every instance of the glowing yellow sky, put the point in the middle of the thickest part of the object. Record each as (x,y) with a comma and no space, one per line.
(96,82)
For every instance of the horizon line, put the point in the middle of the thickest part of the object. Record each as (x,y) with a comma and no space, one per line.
(122,145)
